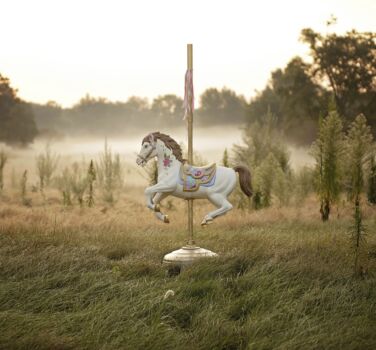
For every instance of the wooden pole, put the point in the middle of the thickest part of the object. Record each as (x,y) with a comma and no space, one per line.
(190,149)
(190,252)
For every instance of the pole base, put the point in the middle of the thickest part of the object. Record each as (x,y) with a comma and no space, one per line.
(187,255)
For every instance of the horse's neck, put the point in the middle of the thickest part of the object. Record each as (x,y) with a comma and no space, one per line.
(167,162)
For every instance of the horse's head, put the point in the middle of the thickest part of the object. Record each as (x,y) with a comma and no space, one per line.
(148,150)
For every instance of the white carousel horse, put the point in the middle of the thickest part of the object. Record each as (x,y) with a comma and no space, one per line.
(179,179)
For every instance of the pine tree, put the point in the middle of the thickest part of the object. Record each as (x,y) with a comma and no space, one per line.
(358,151)
(328,151)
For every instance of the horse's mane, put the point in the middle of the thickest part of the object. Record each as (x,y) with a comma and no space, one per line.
(168,141)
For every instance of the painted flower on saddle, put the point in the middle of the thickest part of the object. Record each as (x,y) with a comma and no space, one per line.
(166,161)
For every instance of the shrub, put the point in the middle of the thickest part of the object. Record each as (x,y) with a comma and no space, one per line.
(109,173)
(78,182)
(46,165)
(63,183)
(265,154)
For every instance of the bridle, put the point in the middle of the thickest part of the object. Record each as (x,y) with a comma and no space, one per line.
(145,159)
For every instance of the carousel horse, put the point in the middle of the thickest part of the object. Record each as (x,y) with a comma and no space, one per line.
(179,179)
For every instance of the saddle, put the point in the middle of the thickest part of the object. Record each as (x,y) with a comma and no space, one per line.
(192,177)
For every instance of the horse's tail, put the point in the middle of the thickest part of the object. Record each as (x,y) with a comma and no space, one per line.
(244,179)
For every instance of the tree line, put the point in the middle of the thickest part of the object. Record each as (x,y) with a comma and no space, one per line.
(342,66)
(101,117)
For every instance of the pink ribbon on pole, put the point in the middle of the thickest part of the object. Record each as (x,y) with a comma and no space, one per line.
(189,104)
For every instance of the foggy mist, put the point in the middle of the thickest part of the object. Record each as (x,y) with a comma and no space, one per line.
(210,143)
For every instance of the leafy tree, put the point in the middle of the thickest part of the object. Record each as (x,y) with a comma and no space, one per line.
(300,100)
(168,109)
(348,63)
(49,118)
(265,101)
(328,152)
(221,107)
(294,99)
(17,125)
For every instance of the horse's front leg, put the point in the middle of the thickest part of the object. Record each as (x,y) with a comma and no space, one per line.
(152,190)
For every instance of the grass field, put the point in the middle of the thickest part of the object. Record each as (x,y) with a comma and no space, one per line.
(93,279)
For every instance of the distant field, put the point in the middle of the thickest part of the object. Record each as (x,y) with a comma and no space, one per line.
(93,279)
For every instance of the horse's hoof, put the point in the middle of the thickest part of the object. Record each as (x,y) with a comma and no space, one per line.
(166,220)
(206,222)
(157,208)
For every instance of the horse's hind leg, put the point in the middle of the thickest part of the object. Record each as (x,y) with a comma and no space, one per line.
(156,200)
(223,205)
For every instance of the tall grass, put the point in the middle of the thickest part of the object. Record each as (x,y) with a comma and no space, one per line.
(87,280)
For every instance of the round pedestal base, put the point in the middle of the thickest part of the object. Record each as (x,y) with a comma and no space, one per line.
(187,255)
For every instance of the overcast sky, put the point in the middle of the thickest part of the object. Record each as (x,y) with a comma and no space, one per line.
(61,50)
